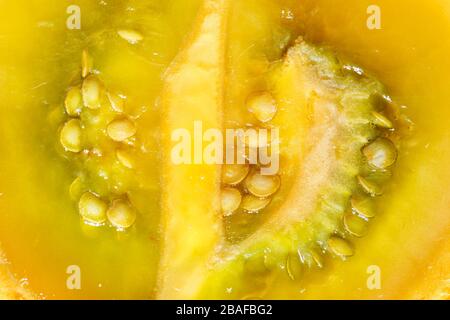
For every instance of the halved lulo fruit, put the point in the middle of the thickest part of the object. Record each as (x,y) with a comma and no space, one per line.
(138,224)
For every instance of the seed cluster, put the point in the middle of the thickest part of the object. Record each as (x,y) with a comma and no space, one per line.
(376,159)
(379,155)
(85,104)
(245,187)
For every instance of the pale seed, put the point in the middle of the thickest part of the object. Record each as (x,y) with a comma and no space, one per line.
(121,129)
(121,214)
(253,204)
(294,266)
(86,63)
(381,121)
(71,136)
(256,264)
(262,185)
(363,206)
(262,106)
(131,36)
(340,247)
(76,188)
(317,258)
(73,102)
(117,103)
(233,174)
(231,199)
(381,153)
(125,158)
(91,91)
(92,209)
(370,187)
(355,225)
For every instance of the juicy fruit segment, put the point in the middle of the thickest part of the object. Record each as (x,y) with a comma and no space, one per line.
(192,216)
(333,127)
(114,264)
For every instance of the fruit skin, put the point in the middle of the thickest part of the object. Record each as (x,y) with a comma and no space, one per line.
(191,213)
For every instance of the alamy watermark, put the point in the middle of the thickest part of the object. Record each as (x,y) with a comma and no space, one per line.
(234,146)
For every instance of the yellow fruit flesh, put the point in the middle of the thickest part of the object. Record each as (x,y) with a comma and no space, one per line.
(192,220)
(40,225)
(399,240)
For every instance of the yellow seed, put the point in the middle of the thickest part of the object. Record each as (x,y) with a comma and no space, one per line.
(231,199)
(91,91)
(75,188)
(381,121)
(294,266)
(253,204)
(233,174)
(131,36)
(121,129)
(370,187)
(86,63)
(125,158)
(73,102)
(363,206)
(92,209)
(355,225)
(256,264)
(121,214)
(263,106)
(317,258)
(117,103)
(381,153)
(340,247)
(71,136)
(262,185)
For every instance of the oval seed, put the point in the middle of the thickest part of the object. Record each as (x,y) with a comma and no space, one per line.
(263,106)
(262,185)
(370,187)
(73,102)
(125,158)
(231,199)
(340,247)
(317,258)
(381,153)
(256,264)
(121,214)
(252,204)
(121,129)
(294,266)
(92,208)
(363,206)
(86,63)
(76,188)
(91,91)
(116,102)
(71,135)
(131,36)
(355,225)
(233,174)
(381,121)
